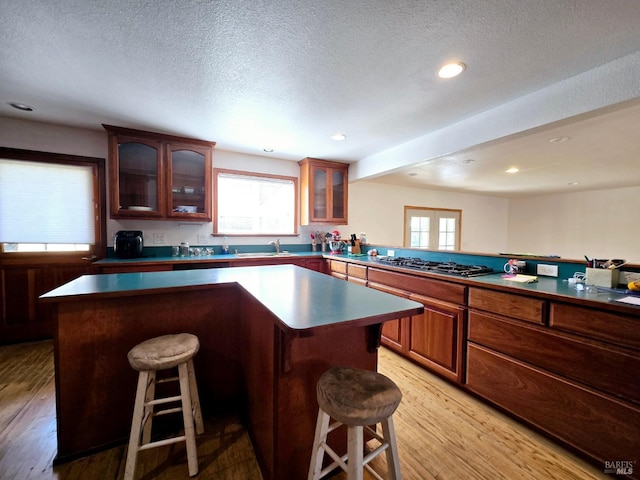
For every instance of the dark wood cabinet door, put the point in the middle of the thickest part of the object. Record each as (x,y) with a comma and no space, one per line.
(395,333)
(436,337)
(324,192)
(189,174)
(24,318)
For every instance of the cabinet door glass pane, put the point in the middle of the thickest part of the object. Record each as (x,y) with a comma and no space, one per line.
(138,176)
(187,181)
(338,194)
(319,193)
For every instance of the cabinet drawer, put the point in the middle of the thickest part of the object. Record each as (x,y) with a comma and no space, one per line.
(509,304)
(449,292)
(337,266)
(358,271)
(602,367)
(359,281)
(614,328)
(602,427)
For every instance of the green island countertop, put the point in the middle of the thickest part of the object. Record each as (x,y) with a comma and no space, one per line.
(301,299)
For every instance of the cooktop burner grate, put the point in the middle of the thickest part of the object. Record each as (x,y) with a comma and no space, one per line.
(449,268)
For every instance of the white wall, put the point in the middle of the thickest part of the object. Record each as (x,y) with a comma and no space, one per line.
(602,224)
(28,135)
(599,224)
(378,210)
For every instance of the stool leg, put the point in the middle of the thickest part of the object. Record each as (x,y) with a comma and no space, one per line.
(393,462)
(187,415)
(195,398)
(136,426)
(317,452)
(355,451)
(150,394)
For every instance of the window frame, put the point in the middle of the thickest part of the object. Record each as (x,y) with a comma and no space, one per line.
(99,248)
(435,214)
(296,194)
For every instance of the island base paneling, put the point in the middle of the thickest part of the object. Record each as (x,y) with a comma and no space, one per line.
(245,360)
(95,385)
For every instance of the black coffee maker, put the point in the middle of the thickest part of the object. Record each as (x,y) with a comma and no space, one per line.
(128,244)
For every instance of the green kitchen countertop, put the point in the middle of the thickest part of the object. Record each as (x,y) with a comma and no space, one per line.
(302,299)
(201,258)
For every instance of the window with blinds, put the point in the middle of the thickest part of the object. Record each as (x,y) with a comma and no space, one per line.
(47,206)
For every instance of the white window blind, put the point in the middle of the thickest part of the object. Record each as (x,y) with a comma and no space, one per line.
(46,203)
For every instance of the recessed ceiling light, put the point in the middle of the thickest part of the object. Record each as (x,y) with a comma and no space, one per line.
(21,106)
(338,137)
(571,184)
(267,150)
(558,139)
(451,70)
(468,160)
(512,170)
(413,174)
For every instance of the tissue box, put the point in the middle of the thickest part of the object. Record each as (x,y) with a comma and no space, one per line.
(602,277)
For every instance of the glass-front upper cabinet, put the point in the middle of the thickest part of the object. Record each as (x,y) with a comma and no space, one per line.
(139,169)
(190,174)
(157,176)
(323,187)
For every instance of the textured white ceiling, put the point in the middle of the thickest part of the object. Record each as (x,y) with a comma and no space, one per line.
(287,74)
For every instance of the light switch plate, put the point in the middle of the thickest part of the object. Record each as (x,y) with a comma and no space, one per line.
(391,253)
(159,238)
(202,239)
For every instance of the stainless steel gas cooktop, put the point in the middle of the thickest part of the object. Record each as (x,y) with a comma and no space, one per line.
(450,268)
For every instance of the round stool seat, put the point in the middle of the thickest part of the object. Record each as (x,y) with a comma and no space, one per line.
(163,352)
(357,397)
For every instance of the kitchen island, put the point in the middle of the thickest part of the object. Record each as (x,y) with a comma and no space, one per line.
(266,333)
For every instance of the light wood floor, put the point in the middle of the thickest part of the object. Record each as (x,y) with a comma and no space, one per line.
(442,434)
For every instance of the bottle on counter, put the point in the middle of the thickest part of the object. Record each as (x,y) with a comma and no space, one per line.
(225,245)
(184,249)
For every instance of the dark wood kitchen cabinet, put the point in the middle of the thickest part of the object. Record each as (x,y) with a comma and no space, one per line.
(23,317)
(434,339)
(155,176)
(323,192)
(568,370)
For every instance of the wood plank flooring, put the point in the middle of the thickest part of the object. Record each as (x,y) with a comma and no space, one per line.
(442,434)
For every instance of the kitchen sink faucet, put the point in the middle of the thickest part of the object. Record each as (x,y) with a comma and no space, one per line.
(276,244)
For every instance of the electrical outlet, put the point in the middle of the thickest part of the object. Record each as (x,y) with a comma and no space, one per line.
(547,270)
(391,253)
(202,239)
(159,238)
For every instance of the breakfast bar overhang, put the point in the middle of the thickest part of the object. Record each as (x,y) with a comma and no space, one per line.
(266,333)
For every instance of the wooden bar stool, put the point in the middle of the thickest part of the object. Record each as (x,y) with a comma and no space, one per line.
(162,353)
(358,399)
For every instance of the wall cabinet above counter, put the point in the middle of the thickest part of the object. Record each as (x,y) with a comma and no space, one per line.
(323,192)
(154,176)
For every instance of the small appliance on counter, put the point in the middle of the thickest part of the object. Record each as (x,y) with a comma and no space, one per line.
(128,244)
